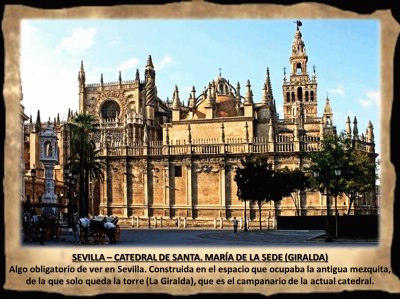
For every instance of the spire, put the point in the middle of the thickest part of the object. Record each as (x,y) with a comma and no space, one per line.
(38,122)
(348,127)
(267,95)
(176,104)
(238,92)
(137,76)
(209,95)
(213,90)
(120,78)
(81,75)
(192,98)
(30,119)
(101,79)
(249,94)
(327,109)
(149,64)
(298,46)
(355,128)
(370,132)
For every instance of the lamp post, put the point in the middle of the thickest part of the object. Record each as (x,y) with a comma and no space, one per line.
(33,175)
(316,174)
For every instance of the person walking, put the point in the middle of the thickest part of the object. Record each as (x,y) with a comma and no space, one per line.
(235,225)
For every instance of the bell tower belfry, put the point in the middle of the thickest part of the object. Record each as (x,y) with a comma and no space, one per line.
(300,92)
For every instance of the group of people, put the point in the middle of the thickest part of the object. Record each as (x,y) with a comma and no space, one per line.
(80,224)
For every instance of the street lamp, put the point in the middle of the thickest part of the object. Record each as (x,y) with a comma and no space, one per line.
(33,175)
(328,237)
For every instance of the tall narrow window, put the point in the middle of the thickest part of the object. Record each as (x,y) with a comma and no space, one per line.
(300,94)
(178,171)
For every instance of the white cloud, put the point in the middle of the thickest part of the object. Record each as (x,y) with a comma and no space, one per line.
(338,90)
(80,40)
(166,60)
(128,65)
(372,98)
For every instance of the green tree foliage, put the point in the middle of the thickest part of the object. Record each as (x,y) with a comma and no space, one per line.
(84,159)
(359,176)
(357,168)
(257,181)
(297,182)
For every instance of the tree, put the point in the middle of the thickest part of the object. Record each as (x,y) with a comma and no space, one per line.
(258,181)
(84,159)
(296,182)
(326,165)
(360,175)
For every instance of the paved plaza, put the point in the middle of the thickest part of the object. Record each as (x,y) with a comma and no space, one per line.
(132,237)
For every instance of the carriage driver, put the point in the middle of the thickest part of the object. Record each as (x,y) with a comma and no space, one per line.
(110,231)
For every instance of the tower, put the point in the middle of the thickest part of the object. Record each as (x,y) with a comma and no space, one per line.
(82,80)
(300,92)
(150,92)
(49,158)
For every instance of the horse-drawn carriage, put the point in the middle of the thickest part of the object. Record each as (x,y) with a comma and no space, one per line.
(95,228)
(41,227)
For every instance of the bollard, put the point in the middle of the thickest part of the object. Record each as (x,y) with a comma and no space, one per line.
(241,223)
(155,222)
(215,222)
(184,222)
(221,222)
(179,222)
(161,221)
(247,220)
(133,221)
(137,221)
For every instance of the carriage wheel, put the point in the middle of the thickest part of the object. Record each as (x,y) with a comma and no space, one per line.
(117,232)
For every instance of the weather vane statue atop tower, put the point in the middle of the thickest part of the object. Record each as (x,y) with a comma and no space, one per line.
(298,24)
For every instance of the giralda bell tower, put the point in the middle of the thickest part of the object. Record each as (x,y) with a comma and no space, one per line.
(300,92)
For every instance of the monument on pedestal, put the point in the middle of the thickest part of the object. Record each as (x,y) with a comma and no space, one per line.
(49,158)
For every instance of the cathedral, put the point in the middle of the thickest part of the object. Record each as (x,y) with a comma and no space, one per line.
(169,161)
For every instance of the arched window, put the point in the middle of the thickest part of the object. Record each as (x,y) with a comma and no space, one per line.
(293,98)
(312,96)
(300,94)
(288,97)
(298,68)
(306,95)
(110,109)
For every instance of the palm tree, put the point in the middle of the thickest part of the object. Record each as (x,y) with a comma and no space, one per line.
(84,160)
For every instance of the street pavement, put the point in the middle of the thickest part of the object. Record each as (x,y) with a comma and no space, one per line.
(133,237)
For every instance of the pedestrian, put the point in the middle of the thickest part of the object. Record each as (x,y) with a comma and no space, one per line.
(110,231)
(235,225)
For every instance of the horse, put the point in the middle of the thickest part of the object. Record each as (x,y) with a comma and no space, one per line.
(80,228)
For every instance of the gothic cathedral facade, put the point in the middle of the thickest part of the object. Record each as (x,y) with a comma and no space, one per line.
(165,159)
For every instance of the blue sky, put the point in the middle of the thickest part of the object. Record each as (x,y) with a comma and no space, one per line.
(345,52)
